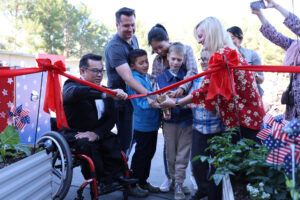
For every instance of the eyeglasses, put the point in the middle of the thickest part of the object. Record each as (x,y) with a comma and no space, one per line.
(96,71)
(203,60)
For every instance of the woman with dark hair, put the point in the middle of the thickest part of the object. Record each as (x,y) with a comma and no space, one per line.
(158,39)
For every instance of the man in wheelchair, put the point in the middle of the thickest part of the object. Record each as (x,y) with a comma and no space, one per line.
(91,117)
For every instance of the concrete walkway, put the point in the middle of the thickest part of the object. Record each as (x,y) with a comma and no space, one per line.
(157,176)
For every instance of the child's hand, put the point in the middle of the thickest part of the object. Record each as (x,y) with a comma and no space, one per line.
(175,94)
(153,103)
(168,103)
(178,93)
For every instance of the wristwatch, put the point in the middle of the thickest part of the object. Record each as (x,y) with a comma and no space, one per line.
(177,103)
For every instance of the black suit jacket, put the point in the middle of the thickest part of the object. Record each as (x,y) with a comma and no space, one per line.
(81,112)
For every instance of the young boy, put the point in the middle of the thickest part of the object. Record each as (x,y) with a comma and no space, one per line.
(146,125)
(177,129)
(206,125)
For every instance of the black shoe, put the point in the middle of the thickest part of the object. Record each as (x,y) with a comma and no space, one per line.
(150,188)
(124,180)
(198,195)
(137,191)
(107,188)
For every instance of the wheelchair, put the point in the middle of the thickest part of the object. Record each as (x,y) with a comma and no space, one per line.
(63,162)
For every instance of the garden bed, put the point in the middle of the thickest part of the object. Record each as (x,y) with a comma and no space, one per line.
(11,160)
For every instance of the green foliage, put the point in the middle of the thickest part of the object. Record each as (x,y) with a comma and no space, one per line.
(9,144)
(289,184)
(55,26)
(257,191)
(246,162)
(14,10)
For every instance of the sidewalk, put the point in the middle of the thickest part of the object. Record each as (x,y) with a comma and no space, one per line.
(157,176)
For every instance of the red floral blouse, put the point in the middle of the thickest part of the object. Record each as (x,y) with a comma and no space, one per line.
(249,103)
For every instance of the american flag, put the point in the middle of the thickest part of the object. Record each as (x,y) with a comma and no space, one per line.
(19,117)
(272,143)
(277,155)
(7,93)
(269,119)
(288,162)
(271,125)
(278,118)
(293,128)
(278,138)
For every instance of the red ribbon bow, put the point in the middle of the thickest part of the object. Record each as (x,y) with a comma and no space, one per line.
(220,80)
(53,96)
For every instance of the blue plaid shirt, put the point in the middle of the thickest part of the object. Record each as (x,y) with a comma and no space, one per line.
(205,121)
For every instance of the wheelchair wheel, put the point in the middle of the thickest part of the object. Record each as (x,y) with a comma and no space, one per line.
(62,170)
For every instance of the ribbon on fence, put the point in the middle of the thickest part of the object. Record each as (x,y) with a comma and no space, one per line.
(53,96)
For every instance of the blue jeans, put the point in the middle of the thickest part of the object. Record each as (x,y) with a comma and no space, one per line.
(124,122)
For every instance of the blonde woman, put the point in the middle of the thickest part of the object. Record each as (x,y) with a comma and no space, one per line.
(212,94)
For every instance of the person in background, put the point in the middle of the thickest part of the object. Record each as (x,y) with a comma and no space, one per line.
(178,128)
(146,125)
(206,125)
(250,56)
(158,39)
(291,46)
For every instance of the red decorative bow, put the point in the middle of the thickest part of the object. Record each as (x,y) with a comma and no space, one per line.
(220,81)
(53,97)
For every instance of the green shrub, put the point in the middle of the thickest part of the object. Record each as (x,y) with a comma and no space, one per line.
(246,162)
(10,144)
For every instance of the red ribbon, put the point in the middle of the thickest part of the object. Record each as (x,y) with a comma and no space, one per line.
(53,97)
(220,81)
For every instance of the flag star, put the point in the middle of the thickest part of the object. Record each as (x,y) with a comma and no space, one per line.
(34,82)
(2,114)
(25,87)
(9,80)
(18,84)
(4,92)
(10,104)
